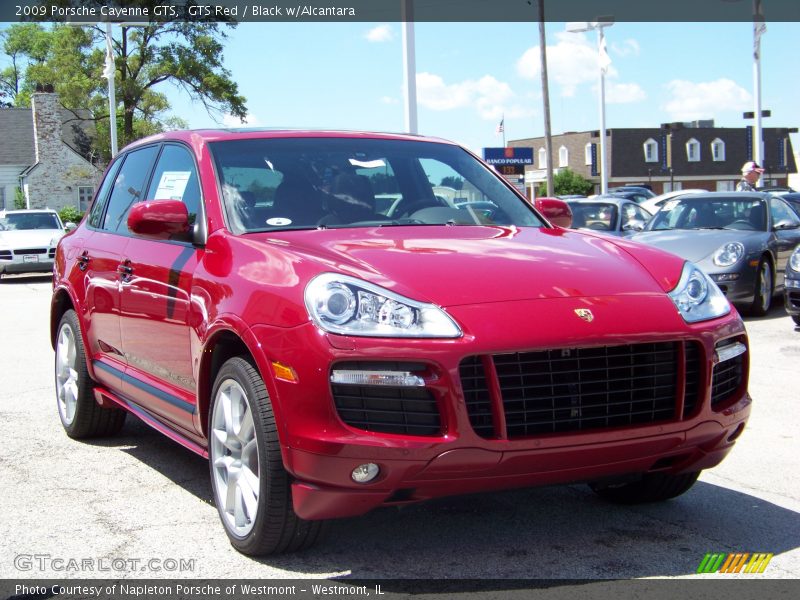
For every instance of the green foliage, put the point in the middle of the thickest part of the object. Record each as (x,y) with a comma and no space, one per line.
(452,181)
(70,214)
(188,55)
(566,182)
(19,199)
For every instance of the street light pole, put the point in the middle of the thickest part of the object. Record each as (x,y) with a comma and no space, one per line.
(110,73)
(603,158)
(758,29)
(603,62)
(409,66)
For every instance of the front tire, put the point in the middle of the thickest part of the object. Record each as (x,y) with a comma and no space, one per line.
(762,295)
(80,415)
(652,487)
(251,488)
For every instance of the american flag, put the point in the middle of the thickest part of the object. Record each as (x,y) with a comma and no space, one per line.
(500,126)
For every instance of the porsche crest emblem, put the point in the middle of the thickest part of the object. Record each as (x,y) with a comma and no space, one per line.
(585,314)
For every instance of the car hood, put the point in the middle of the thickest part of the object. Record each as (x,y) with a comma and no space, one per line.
(29,238)
(457,265)
(696,245)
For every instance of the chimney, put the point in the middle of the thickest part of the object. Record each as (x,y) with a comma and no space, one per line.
(46,125)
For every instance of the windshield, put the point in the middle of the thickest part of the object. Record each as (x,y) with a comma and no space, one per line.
(20,221)
(303,183)
(601,216)
(718,213)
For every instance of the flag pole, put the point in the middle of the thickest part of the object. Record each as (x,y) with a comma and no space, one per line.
(504,129)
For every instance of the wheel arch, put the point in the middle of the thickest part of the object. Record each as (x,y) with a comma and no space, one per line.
(224,343)
(59,304)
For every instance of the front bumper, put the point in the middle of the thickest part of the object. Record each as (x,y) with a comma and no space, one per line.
(740,290)
(17,262)
(320,451)
(791,294)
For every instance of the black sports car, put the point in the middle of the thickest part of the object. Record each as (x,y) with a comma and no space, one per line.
(742,240)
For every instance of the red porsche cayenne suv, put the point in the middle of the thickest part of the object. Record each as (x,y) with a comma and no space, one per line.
(342,321)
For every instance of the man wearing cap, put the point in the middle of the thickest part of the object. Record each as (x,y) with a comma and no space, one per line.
(751,172)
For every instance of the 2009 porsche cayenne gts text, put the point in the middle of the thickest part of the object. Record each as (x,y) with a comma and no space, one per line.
(342,321)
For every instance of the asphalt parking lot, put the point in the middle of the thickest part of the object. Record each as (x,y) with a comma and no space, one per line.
(139,503)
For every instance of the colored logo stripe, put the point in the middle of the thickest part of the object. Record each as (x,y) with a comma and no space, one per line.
(714,562)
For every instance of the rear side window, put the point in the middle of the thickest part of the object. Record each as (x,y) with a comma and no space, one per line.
(129,188)
(175,178)
(96,213)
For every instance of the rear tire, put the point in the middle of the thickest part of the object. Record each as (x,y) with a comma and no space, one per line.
(80,415)
(652,487)
(252,490)
(762,295)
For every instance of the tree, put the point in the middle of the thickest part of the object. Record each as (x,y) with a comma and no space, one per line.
(72,59)
(566,182)
(452,181)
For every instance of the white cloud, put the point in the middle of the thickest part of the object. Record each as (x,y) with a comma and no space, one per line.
(624,93)
(489,97)
(573,62)
(690,100)
(228,120)
(381,33)
(629,47)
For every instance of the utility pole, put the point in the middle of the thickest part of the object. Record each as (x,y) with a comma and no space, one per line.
(548,137)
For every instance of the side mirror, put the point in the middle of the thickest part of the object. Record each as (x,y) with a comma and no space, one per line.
(69,226)
(556,211)
(785,224)
(160,219)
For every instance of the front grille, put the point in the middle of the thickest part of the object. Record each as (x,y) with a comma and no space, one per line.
(726,379)
(387,409)
(22,251)
(51,253)
(578,389)
(5,254)
(691,393)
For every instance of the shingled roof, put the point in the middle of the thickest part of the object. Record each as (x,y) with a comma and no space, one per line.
(16,131)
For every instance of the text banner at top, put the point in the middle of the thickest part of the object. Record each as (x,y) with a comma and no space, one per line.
(159,11)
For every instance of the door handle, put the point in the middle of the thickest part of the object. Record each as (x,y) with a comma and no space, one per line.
(125,271)
(83,261)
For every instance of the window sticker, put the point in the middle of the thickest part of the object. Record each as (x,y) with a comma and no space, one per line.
(172,185)
(279,222)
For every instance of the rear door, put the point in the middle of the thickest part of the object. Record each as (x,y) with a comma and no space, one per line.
(100,258)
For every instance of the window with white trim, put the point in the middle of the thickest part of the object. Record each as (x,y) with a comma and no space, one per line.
(563,157)
(587,154)
(85,195)
(693,150)
(542,158)
(650,150)
(718,150)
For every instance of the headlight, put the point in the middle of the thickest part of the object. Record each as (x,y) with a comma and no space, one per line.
(729,254)
(794,261)
(697,297)
(350,306)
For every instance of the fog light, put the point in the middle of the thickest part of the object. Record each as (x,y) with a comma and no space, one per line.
(730,351)
(719,277)
(793,283)
(365,473)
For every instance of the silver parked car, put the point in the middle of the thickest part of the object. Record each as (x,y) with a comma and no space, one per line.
(28,240)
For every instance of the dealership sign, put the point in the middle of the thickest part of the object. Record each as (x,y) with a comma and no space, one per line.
(509,161)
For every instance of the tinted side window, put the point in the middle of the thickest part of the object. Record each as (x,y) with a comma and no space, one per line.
(175,178)
(100,200)
(129,187)
(781,212)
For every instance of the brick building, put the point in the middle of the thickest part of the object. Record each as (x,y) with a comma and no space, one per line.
(45,152)
(674,156)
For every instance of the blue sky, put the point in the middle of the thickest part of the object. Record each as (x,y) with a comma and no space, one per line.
(349,76)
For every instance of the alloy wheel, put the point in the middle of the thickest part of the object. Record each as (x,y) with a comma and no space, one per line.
(66,374)
(234,458)
(765,280)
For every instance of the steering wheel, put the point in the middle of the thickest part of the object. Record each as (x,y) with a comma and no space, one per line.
(741,224)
